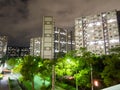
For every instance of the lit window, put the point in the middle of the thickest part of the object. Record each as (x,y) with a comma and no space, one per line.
(114,41)
(0,43)
(98,23)
(104,15)
(0,48)
(111,20)
(90,25)
(0,55)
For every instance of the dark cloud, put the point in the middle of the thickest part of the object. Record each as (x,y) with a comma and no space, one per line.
(22,19)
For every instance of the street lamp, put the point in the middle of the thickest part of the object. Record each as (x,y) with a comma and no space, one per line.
(93,82)
(96,83)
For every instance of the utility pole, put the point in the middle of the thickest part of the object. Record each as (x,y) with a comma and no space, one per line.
(91,77)
(53,77)
(76,83)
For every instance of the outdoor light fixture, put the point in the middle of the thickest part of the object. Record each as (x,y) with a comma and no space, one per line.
(96,83)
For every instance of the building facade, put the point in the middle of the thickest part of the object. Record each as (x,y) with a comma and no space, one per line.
(98,33)
(63,40)
(3,46)
(47,50)
(35,46)
(17,51)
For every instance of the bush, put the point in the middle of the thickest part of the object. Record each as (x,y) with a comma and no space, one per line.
(43,87)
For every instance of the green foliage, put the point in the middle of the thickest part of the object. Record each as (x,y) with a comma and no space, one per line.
(11,63)
(1,76)
(76,64)
(14,85)
(66,86)
(83,77)
(45,68)
(43,87)
(17,68)
(84,60)
(38,83)
(29,67)
(111,73)
(115,50)
(65,66)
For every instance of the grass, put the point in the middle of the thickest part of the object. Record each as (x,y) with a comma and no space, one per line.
(38,82)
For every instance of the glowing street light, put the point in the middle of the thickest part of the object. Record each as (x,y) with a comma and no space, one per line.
(96,83)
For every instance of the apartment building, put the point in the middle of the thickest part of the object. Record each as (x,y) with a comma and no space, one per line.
(13,51)
(98,33)
(47,50)
(35,46)
(63,40)
(3,46)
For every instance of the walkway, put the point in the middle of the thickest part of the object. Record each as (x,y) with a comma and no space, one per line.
(4,83)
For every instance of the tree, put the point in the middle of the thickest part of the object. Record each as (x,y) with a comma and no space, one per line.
(66,65)
(85,61)
(45,68)
(30,68)
(76,64)
(11,63)
(111,73)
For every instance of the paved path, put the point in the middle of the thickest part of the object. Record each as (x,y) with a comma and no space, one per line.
(4,83)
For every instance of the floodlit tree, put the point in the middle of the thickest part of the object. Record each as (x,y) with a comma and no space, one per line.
(85,61)
(11,63)
(66,65)
(30,68)
(45,68)
(78,65)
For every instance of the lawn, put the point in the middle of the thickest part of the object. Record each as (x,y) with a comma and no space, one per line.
(38,82)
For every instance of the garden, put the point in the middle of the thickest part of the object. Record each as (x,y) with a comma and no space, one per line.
(76,70)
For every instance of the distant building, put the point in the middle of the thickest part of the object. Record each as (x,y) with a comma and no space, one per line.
(47,50)
(3,46)
(24,51)
(17,51)
(98,33)
(63,40)
(35,46)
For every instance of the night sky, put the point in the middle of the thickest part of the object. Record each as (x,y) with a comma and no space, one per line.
(21,20)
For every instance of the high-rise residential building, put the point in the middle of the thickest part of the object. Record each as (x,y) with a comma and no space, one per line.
(13,51)
(98,33)
(35,46)
(47,51)
(3,46)
(63,40)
